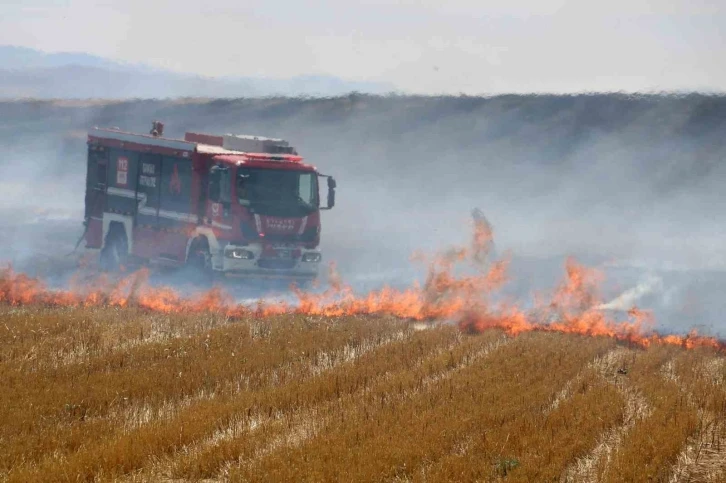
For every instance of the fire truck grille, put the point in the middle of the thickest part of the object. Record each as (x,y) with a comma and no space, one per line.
(281,238)
(309,235)
(276,264)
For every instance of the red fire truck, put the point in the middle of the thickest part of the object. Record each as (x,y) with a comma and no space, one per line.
(231,204)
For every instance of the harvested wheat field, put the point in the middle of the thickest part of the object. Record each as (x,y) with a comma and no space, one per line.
(127,394)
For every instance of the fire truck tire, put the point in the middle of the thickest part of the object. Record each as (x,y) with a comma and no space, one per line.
(199,260)
(115,249)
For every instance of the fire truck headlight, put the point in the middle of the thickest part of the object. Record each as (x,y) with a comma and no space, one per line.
(239,253)
(311,257)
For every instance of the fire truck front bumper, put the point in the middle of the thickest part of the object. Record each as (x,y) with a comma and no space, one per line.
(252,261)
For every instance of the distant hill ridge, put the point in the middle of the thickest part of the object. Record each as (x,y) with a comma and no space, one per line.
(30,73)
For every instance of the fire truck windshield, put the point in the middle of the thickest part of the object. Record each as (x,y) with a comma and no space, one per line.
(277,192)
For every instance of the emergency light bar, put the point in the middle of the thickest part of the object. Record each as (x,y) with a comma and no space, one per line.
(267,157)
(244,143)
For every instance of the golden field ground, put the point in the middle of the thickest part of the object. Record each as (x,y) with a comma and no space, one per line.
(121,394)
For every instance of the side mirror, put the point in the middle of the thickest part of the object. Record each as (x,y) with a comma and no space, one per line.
(331,193)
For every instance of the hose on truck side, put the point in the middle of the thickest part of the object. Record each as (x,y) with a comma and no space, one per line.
(83,235)
(86,223)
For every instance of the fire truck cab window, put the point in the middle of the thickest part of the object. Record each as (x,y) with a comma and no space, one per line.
(277,192)
(220,189)
(305,189)
(243,194)
(225,187)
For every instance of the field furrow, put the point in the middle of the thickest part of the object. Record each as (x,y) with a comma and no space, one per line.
(651,447)
(409,435)
(699,378)
(111,394)
(526,439)
(609,368)
(218,365)
(433,349)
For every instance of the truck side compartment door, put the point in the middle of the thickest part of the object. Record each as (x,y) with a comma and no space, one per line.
(149,190)
(95,200)
(96,174)
(122,176)
(176,206)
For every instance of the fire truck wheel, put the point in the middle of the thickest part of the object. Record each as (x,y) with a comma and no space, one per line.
(115,250)
(200,260)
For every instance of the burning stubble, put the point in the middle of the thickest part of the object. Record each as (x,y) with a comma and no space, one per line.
(465,295)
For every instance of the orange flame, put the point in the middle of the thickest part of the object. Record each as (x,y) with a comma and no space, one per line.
(444,295)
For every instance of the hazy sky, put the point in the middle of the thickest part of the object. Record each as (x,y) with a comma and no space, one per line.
(445,46)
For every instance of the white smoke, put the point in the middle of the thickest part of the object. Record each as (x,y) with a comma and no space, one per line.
(626,300)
